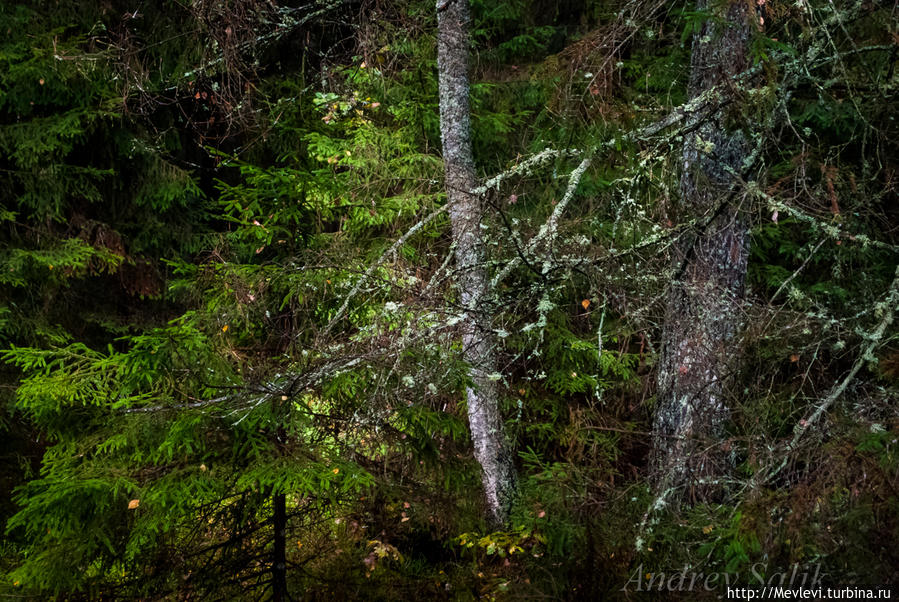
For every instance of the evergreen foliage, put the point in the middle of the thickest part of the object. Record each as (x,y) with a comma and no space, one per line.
(229,325)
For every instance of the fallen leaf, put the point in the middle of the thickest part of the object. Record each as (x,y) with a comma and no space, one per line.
(133,504)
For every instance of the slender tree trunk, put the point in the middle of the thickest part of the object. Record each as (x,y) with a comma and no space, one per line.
(279,552)
(491,448)
(703,312)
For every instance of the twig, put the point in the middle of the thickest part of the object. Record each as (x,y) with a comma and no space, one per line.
(888,306)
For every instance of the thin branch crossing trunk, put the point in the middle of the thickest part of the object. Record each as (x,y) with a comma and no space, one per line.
(703,314)
(491,448)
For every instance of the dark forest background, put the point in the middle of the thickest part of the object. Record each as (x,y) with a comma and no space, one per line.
(228,314)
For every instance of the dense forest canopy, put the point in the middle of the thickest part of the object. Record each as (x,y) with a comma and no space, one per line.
(354,299)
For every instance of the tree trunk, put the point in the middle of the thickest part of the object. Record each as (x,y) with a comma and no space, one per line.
(279,552)
(703,312)
(491,448)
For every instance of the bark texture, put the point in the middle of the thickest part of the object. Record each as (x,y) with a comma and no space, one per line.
(703,314)
(491,448)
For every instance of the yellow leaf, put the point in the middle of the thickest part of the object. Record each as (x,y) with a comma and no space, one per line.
(133,504)
(225,328)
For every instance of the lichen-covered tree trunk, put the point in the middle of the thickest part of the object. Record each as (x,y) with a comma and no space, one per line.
(491,448)
(703,312)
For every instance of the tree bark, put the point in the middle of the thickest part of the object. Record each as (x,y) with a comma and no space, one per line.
(491,449)
(703,313)
(279,552)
